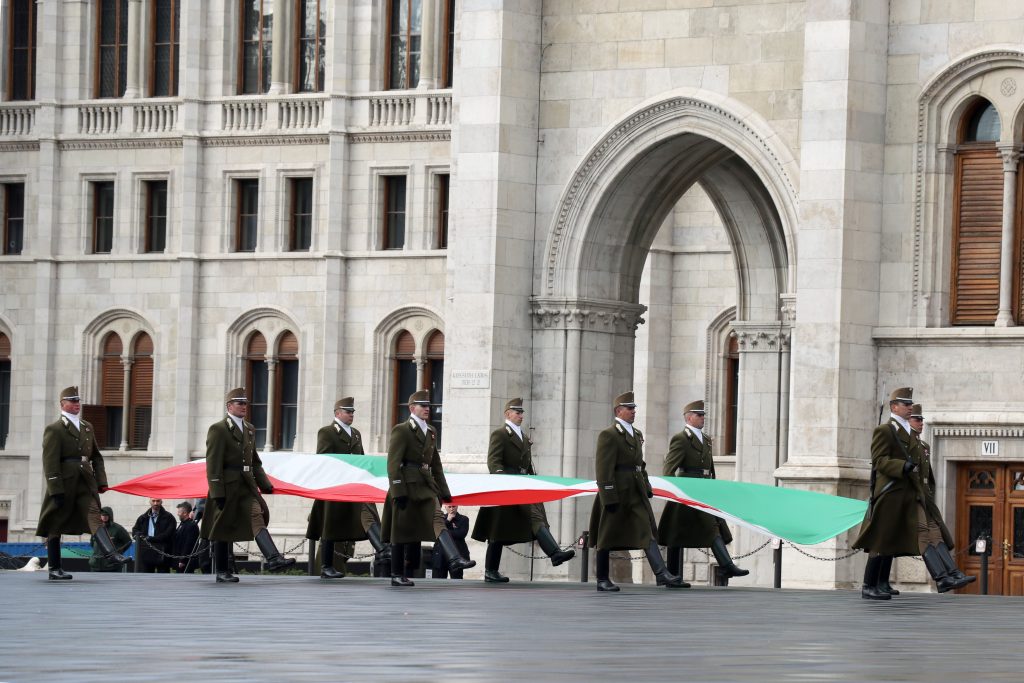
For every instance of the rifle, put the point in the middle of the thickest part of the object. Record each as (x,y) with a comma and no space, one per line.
(871,479)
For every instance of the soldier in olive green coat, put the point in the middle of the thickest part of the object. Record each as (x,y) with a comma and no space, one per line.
(890,524)
(75,476)
(412,511)
(690,455)
(336,522)
(509,452)
(622,518)
(933,539)
(235,476)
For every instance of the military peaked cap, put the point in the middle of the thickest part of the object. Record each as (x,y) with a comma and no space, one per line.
(348,403)
(237,394)
(515,404)
(917,411)
(902,395)
(70,394)
(625,400)
(420,398)
(694,407)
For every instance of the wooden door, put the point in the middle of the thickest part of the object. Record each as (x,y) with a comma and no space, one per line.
(990,501)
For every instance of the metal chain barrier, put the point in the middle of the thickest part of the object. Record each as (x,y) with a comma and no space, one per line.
(139,540)
(740,557)
(823,559)
(537,557)
(288,551)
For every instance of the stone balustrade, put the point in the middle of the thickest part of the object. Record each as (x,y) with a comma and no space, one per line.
(99,119)
(16,119)
(157,117)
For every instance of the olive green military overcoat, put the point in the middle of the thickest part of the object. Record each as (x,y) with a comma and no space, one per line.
(508,524)
(66,474)
(416,474)
(334,521)
(682,526)
(890,523)
(928,482)
(622,481)
(233,472)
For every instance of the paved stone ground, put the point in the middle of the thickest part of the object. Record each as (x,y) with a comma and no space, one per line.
(104,627)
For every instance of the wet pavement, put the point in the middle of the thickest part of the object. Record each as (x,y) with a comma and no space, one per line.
(140,628)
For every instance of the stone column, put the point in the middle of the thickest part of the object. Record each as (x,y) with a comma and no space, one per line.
(126,393)
(132,78)
(421,366)
(271,393)
(1011,156)
(428,46)
(839,242)
(280,50)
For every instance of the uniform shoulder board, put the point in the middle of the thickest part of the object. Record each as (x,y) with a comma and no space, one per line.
(337,427)
(412,423)
(230,423)
(688,431)
(618,425)
(508,429)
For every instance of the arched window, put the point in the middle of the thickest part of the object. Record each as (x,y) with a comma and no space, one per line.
(257,385)
(286,405)
(978,218)
(403,371)
(106,418)
(141,393)
(731,383)
(434,380)
(5,388)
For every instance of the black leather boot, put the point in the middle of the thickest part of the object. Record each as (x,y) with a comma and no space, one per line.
(725,562)
(939,573)
(107,545)
(273,560)
(869,590)
(399,573)
(884,569)
(673,559)
(451,552)
(551,548)
(56,573)
(661,572)
(491,563)
(220,559)
(954,571)
(602,568)
(327,570)
(382,549)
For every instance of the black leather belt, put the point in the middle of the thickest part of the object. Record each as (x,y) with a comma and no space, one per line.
(418,465)
(628,468)
(238,468)
(71,457)
(695,470)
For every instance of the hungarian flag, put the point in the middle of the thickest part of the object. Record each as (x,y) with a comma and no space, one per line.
(801,517)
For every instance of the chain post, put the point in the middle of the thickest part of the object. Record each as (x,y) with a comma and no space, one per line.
(137,564)
(312,558)
(777,553)
(585,558)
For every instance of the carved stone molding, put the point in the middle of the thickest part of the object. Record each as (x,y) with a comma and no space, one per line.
(757,337)
(28,146)
(264,140)
(623,136)
(117,143)
(979,431)
(586,314)
(410,136)
(787,308)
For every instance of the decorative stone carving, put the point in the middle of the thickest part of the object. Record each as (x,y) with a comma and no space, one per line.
(787,308)
(411,136)
(584,314)
(979,432)
(762,337)
(264,140)
(1008,87)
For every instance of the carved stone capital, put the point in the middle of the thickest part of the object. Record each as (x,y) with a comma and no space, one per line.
(586,314)
(787,308)
(758,337)
(1010,155)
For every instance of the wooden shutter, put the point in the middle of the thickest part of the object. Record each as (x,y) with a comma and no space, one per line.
(140,416)
(405,345)
(288,347)
(97,416)
(5,347)
(257,347)
(112,372)
(978,218)
(435,346)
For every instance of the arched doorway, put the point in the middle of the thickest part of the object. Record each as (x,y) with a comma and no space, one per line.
(589,301)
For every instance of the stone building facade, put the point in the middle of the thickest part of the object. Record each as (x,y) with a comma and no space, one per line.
(785,208)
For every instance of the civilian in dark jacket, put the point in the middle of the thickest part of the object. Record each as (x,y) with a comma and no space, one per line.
(458,527)
(155,529)
(186,538)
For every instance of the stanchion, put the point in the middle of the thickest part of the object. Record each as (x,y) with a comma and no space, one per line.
(312,558)
(981,547)
(137,566)
(777,558)
(585,557)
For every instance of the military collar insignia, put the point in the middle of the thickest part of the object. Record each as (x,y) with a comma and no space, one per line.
(618,425)
(337,427)
(508,429)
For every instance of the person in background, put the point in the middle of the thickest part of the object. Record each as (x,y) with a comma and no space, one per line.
(122,540)
(155,531)
(458,526)
(186,541)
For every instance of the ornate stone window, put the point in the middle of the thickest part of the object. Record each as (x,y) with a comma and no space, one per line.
(310,45)
(5,388)
(21,50)
(111,77)
(164,39)
(14,217)
(255,45)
